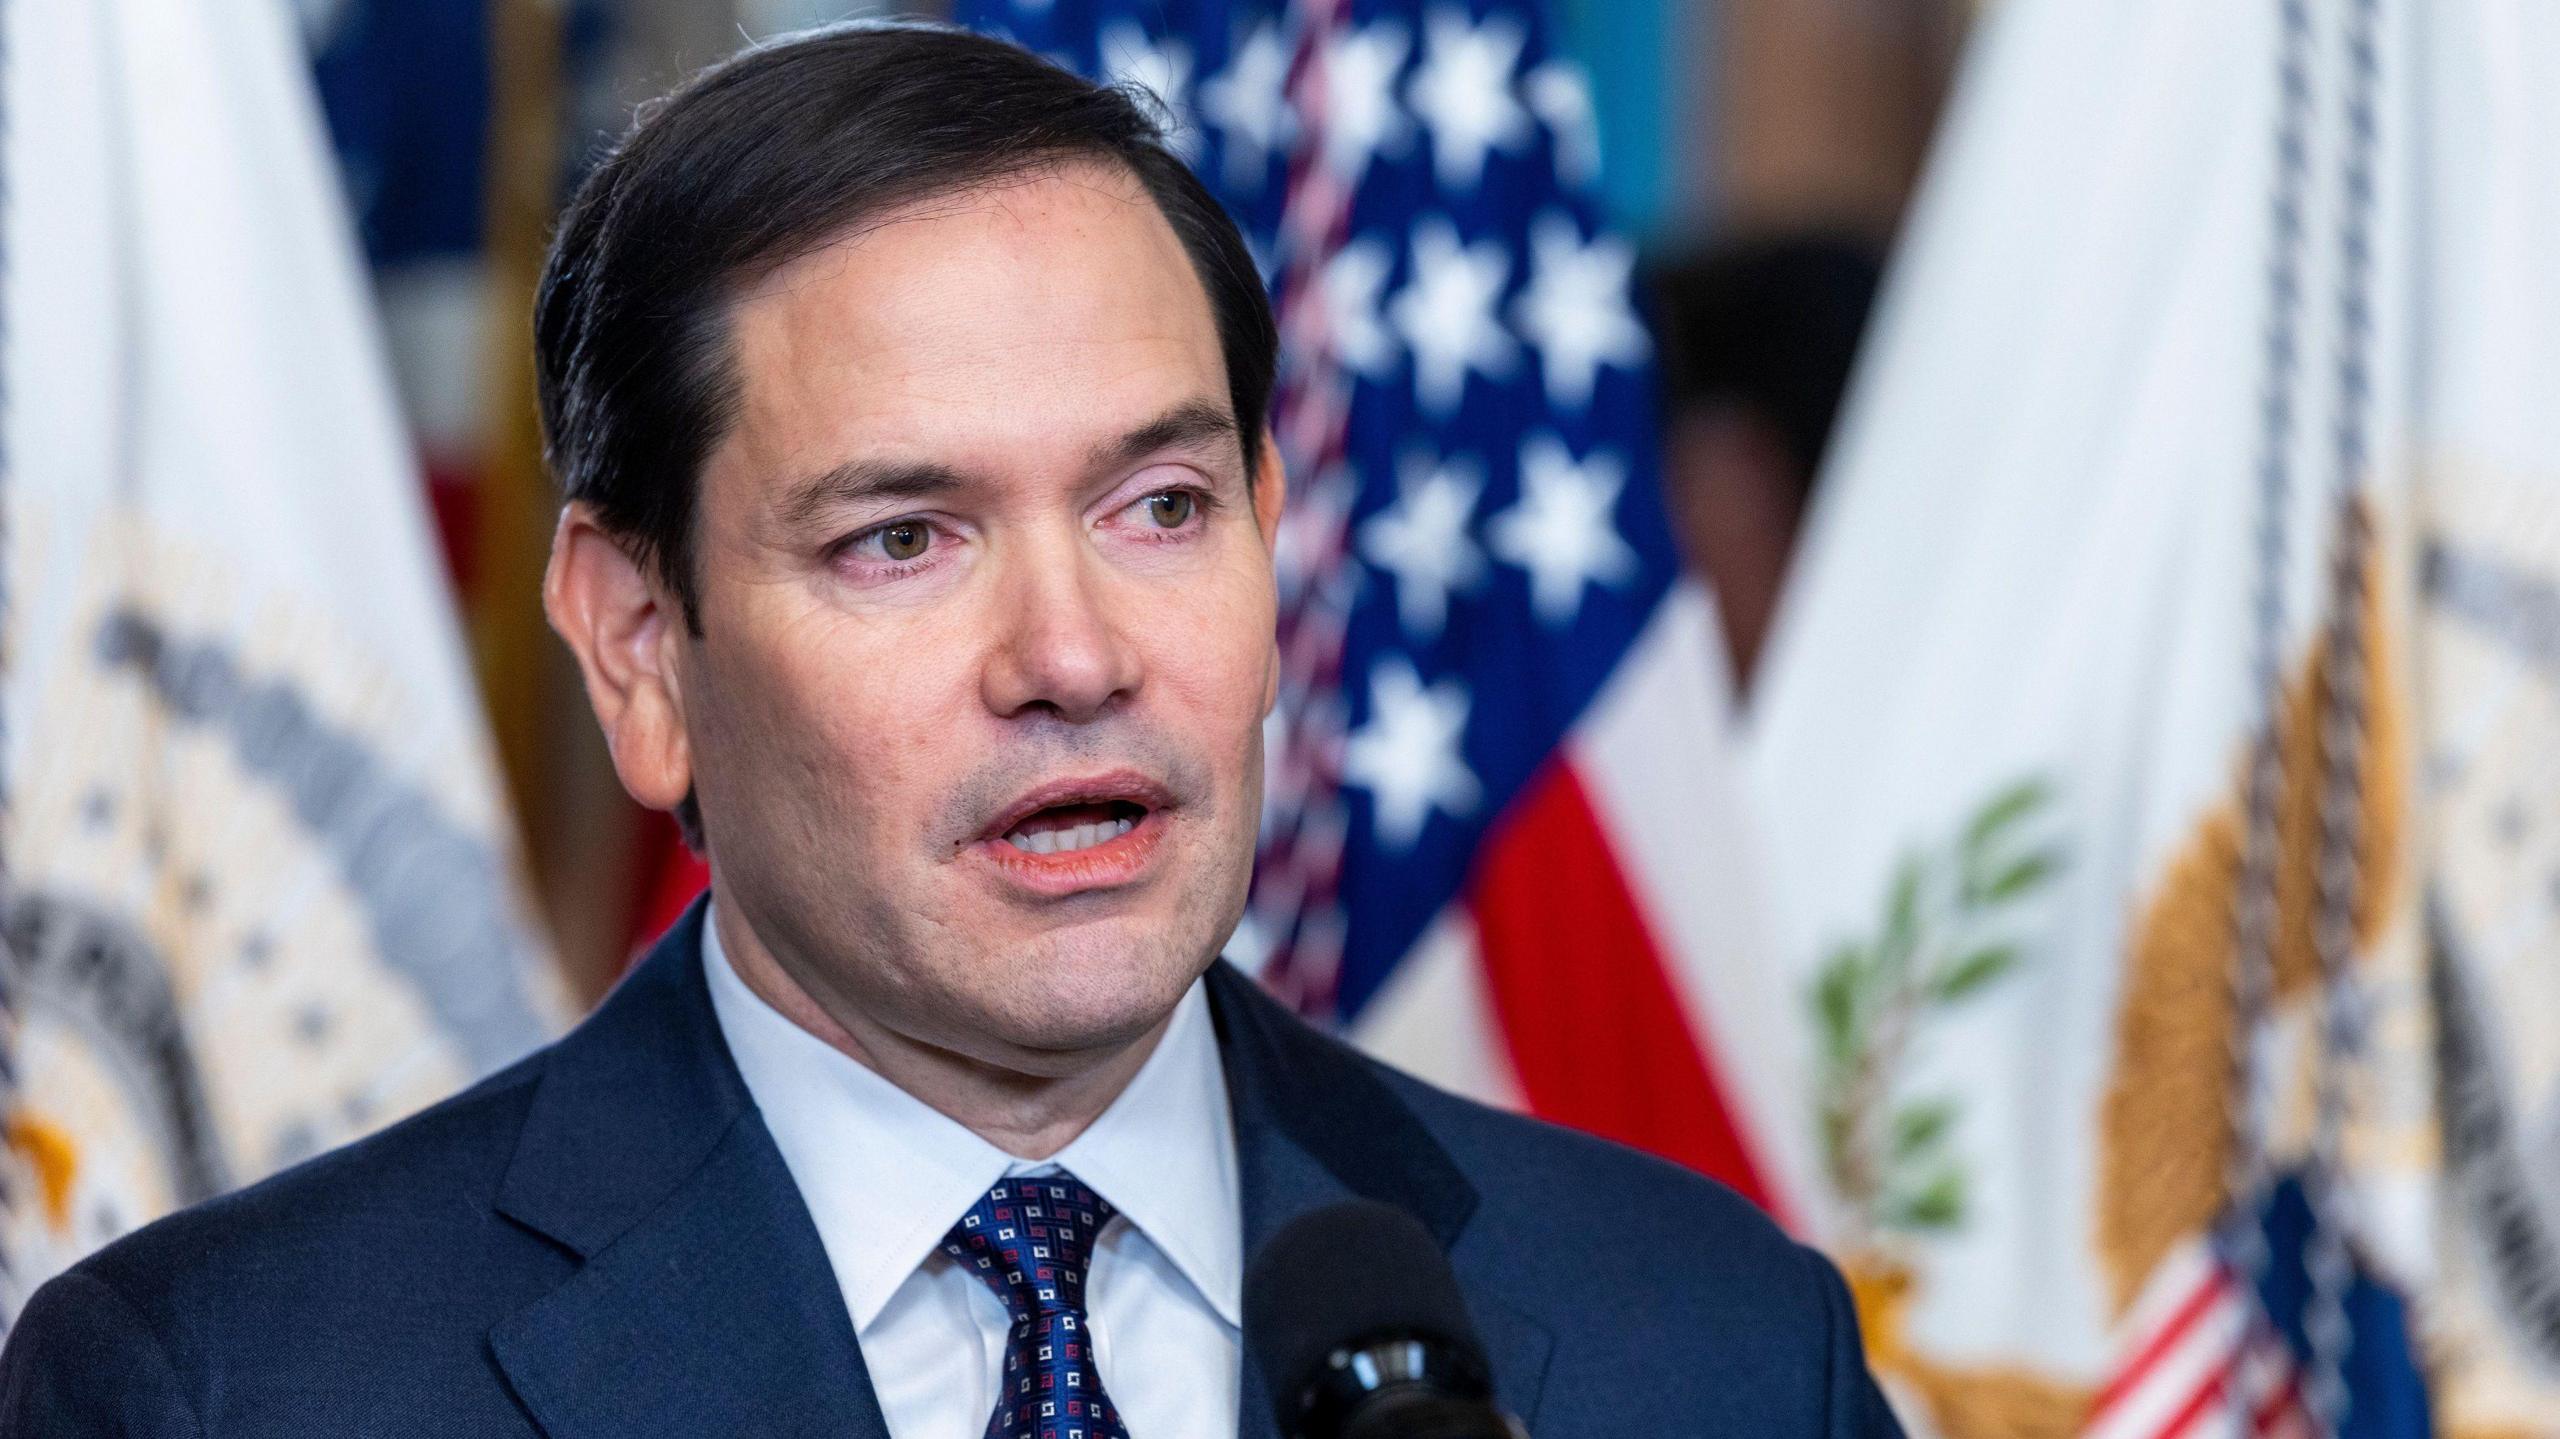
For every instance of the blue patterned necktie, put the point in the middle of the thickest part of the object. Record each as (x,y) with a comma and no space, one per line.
(1031,1240)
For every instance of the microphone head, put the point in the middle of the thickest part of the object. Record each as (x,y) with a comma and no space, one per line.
(1346,1276)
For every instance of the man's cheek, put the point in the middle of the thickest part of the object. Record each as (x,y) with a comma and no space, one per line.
(1231,627)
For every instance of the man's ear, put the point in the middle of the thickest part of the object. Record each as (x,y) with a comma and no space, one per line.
(1270,489)
(625,634)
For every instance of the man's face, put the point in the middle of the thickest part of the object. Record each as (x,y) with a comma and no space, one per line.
(987,612)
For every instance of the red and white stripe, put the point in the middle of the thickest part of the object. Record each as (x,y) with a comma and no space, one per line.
(1612,914)
(2199,1361)
(1599,966)
(1311,409)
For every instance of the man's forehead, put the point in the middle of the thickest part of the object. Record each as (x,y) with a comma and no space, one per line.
(1021,214)
(1058,312)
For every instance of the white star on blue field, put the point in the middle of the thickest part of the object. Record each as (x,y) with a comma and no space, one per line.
(1489,541)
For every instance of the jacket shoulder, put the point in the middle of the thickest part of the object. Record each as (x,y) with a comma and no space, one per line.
(81,1362)
(1656,1280)
(327,1239)
(1576,1214)
(1570,1181)
(1567,1187)
(385,1258)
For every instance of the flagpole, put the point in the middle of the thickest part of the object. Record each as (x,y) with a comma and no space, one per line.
(523,172)
(519,669)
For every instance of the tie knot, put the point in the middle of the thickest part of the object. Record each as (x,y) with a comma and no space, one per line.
(1030,1239)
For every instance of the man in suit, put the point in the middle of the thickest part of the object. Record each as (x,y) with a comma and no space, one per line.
(909,398)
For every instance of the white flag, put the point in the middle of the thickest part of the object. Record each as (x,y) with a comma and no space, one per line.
(2173,322)
(260,887)
(2487,457)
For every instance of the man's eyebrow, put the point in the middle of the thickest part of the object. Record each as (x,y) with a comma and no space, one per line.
(1189,425)
(810,501)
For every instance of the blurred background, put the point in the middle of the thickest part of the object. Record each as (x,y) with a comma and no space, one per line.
(1946,610)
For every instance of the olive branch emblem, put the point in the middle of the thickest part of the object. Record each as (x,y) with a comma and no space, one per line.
(1942,940)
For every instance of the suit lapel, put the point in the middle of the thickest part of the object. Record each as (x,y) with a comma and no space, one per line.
(1315,1125)
(706,1304)
(716,1314)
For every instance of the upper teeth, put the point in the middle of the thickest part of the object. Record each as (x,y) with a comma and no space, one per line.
(1063,841)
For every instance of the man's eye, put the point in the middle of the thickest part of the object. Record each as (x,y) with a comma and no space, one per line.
(905,540)
(1172,508)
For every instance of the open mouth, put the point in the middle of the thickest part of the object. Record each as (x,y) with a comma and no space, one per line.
(1080,834)
(1071,828)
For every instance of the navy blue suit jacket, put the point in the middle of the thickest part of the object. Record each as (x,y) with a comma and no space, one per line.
(602,1243)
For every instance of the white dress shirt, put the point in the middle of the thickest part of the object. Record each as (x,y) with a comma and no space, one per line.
(886,1176)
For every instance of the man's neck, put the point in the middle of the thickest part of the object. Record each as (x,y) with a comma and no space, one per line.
(1027,1115)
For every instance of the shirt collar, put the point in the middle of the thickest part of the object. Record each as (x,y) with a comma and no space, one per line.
(1164,1154)
(885,1175)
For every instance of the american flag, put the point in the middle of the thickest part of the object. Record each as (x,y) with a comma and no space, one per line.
(2201,1361)
(2237,1335)
(1478,586)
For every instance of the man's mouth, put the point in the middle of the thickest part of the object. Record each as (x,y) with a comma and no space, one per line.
(1068,828)
(1074,835)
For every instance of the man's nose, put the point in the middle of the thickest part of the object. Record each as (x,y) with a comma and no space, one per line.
(1061,647)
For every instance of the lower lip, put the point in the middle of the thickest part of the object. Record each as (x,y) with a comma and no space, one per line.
(1120,860)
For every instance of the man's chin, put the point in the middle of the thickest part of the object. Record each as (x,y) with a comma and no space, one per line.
(1073,1000)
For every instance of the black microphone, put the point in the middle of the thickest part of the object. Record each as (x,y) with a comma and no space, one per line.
(1361,1332)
